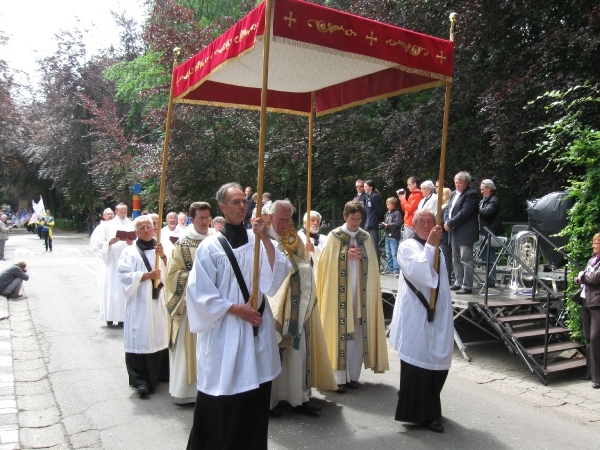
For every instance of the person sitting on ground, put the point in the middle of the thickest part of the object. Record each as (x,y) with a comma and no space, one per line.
(11,280)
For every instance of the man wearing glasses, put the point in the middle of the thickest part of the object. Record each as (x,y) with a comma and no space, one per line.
(145,330)
(182,342)
(235,366)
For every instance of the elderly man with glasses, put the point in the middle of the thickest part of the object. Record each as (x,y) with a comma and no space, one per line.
(145,331)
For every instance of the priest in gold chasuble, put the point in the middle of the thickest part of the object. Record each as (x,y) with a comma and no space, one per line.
(350,300)
(182,342)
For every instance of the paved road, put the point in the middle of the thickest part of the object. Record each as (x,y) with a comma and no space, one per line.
(72,392)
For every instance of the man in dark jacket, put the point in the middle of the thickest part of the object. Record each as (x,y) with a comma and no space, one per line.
(460,220)
(361,196)
(250,205)
(489,216)
(11,280)
(374,214)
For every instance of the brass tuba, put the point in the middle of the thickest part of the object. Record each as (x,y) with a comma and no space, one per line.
(524,247)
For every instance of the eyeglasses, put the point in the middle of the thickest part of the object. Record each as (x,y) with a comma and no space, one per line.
(239,202)
(146,227)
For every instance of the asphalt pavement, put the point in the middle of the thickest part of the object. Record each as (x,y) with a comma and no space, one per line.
(63,383)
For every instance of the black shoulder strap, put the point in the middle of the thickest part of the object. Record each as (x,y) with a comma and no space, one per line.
(238,274)
(422,299)
(155,290)
(235,267)
(144,258)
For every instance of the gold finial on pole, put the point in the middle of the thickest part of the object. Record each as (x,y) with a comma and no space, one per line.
(453,19)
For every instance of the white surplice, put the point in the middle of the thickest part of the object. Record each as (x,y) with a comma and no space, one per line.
(145,329)
(421,343)
(166,233)
(112,306)
(98,240)
(230,359)
(314,256)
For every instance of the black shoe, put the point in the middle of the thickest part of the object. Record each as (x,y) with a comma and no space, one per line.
(463,291)
(586,378)
(341,389)
(434,426)
(109,323)
(142,390)
(276,411)
(120,324)
(454,287)
(352,385)
(596,385)
(308,409)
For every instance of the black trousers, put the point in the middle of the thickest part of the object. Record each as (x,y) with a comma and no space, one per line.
(419,395)
(591,329)
(147,369)
(47,240)
(232,422)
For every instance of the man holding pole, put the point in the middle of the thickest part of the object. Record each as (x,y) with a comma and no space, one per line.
(237,353)
(422,336)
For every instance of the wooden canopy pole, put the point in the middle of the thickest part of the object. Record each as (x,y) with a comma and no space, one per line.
(165,156)
(261,146)
(310,161)
(436,261)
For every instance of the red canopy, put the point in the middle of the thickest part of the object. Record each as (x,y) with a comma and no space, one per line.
(344,59)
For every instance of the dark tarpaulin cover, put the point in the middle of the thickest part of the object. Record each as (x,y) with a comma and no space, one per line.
(549,216)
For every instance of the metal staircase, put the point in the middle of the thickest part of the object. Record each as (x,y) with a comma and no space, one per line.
(529,328)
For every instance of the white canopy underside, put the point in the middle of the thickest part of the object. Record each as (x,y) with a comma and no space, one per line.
(297,68)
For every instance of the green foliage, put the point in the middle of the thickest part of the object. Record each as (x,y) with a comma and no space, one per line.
(134,79)
(69,225)
(571,144)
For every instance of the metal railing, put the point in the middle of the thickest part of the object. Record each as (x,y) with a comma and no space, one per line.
(533,273)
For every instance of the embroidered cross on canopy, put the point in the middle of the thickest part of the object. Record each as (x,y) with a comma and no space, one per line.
(345,60)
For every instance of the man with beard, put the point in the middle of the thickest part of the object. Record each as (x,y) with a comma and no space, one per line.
(145,333)
(112,308)
(350,301)
(235,365)
(424,345)
(182,342)
(305,362)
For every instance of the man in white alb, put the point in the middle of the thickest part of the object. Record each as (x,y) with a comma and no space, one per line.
(112,308)
(235,367)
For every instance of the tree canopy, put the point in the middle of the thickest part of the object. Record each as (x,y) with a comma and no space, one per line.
(97,123)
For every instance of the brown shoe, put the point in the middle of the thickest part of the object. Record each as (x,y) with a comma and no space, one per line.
(341,389)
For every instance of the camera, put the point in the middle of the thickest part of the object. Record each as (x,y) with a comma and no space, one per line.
(400,191)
